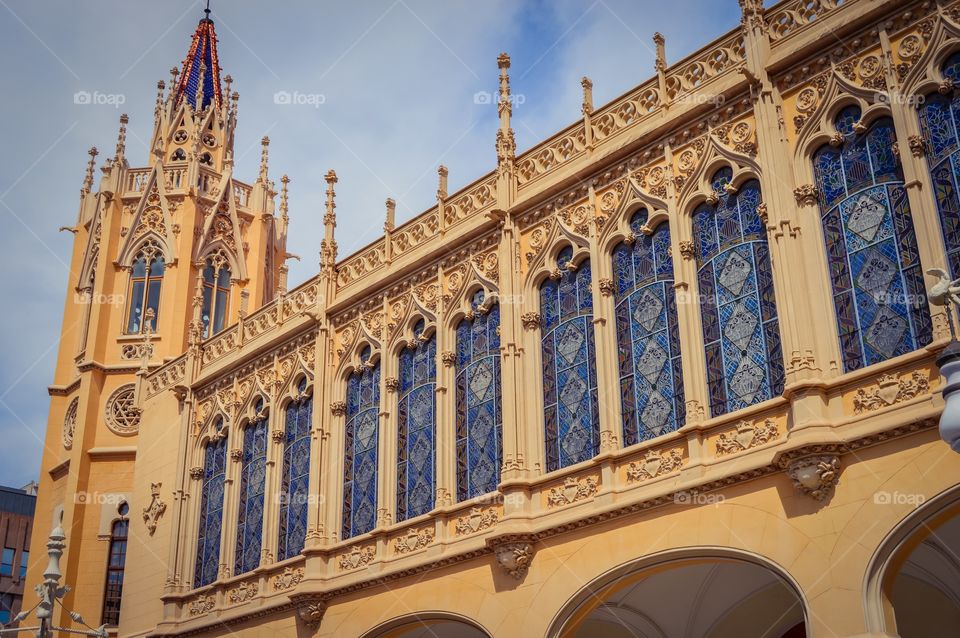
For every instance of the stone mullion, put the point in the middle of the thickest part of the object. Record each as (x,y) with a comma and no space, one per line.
(605,341)
(387,432)
(531,366)
(333,459)
(911,149)
(231,500)
(515,443)
(445,437)
(190,525)
(272,480)
(319,487)
(689,327)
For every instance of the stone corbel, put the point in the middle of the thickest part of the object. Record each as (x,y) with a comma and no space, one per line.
(310,608)
(815,476)
(513,553)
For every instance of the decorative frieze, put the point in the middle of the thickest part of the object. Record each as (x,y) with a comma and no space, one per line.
(815,476)
(747,436)
(357,557)
(574,489)
(890,390)
(477,520)
(202,604)
(289,579)
(654,464)
(244,592)
(413,540)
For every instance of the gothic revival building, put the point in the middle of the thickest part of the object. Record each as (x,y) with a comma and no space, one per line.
(668,373)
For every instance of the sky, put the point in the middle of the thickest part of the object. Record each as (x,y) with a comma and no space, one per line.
(382,91)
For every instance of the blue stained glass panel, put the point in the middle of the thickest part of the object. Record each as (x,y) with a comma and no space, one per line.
(571,421)
(651,393)
(479,423)
(295,485)
(871,246)
(416,427)
(211,512)
(250,513)
(738,309)
(360,450)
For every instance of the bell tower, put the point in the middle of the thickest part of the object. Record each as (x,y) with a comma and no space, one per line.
(165,255)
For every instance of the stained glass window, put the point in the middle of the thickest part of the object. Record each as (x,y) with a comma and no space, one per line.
(741,335)
(250,514)
(416,426)
(571,412)
(651,379)
(478,417)
(940,119)
(360,452)
(211,510)
(295,487)
(146,278)
(875,272)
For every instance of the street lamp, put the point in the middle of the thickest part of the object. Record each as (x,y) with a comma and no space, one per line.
(50,593)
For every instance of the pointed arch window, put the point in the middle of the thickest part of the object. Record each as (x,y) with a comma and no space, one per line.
(296,475)
(146,279)
(360,453)
(416,426)
(571,412)
(116,563)
(252,485)
(211,508)
(741,334)
(648,339)
(940,121)
(479,419)
(216,294)
(875,272)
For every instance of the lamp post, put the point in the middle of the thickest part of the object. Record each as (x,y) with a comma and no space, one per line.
(50,592)
(946,292)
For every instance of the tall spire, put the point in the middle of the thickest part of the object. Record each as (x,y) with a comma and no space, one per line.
(203,52)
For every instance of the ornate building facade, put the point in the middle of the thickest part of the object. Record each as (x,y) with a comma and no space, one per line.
(669,372)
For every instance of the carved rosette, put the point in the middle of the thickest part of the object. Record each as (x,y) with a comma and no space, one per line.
(815,476)
(476,520)
(121,413)
(289,579)
(654,464)
(338,408)
(413,540)
(574,489)
(747,436)
(531,320)
(806,195)
(890,390)
(357,557)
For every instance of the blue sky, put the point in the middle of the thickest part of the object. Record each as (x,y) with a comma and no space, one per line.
(397,80)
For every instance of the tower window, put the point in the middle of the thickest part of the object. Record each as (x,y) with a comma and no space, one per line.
(179,155)
(216,294)
(6,564)
(115,566)
(146,278)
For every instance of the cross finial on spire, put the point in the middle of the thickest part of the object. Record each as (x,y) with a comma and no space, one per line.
(264,158)
(88,178)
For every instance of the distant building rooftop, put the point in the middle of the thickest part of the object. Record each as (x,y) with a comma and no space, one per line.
(17,501)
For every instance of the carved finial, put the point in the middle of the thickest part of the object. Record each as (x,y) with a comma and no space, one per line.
(442,188)
(390,224)
(228,82)
(174,72)
(328,250)
(245,294)
(264,157)
(587,85)
(88,177)
(122,139)
(506,144)
(660,42)
(284,198)
(751,13)
(158,107)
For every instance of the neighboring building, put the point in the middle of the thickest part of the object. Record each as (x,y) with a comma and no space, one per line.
(16,523)
(668,373)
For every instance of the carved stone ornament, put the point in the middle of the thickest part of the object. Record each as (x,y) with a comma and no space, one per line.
(514,558)
(476,520)
(606,286)
(815,476)
(448,358)
(747,436)
(413,540)
(654,464)
(122,414)
(392,384)
(196,473)
(608,441)
(530,320)
(686,249)
(236,454)
(762,212)
(156,508)
(338,408)
(278,436)
(806,195)
(289,579)
(890,390)
(70,423)
(202,605)
(918,147)
(244,592)
(357,557)
(310,610)
(573,490)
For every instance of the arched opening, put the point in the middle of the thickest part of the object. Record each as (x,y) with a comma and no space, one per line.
(712,596)
(913,586)
(431,625)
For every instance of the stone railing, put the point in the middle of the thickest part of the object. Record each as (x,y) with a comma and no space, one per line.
(786,18)
(137,179)
(627,111)
(241,193)
(550,155)
(415,232)
(693,72)
(469,201)
(361,263)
